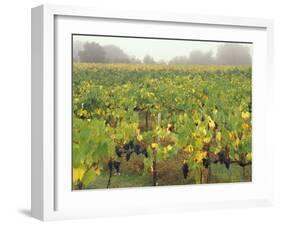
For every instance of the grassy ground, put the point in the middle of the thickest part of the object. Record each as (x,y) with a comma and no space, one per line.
(235,174)
(218,175)
(121,181)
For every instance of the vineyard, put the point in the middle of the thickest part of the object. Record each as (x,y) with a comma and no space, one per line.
(150,125)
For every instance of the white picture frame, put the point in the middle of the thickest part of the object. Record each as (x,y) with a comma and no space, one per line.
(52,197)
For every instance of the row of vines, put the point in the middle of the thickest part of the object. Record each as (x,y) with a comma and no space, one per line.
(197,116)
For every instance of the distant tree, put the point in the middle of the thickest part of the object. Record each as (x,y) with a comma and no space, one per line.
(233,54)
(92,52)
(195,57)
(209,58)
(114,54)
(179,60)
(148,60)
(198,57)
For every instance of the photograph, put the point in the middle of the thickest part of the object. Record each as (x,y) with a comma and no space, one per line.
(152,112)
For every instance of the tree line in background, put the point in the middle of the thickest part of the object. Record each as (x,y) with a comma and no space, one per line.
(227,54)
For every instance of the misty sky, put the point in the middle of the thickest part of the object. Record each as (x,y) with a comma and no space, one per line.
(157,48)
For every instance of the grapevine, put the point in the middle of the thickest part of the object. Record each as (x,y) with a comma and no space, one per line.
(188,118)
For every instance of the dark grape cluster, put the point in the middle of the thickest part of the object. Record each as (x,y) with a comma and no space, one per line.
(131,144)
(114,165)
(138,149)
(223,159)
(126,147)
(118,151)
(227,163)
(185,170)
(144,152)
(128,154)
(206,162)
(129,149)
(110,165)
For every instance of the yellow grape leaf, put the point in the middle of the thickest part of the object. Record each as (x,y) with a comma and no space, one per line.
(154,145)
(211,123)
(245,115)
(200,155)
(203,130)
(139,137)
(188,149)
(169,147)
(218,136)
(97,171)
(245,126)
(78,173)
(249,156)
(207,140)
(231,135)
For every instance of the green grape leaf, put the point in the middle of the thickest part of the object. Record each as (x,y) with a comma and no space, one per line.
(89,177)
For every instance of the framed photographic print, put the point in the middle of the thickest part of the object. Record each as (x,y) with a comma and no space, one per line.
(155,112)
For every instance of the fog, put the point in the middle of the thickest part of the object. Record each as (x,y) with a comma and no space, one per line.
(158,51)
